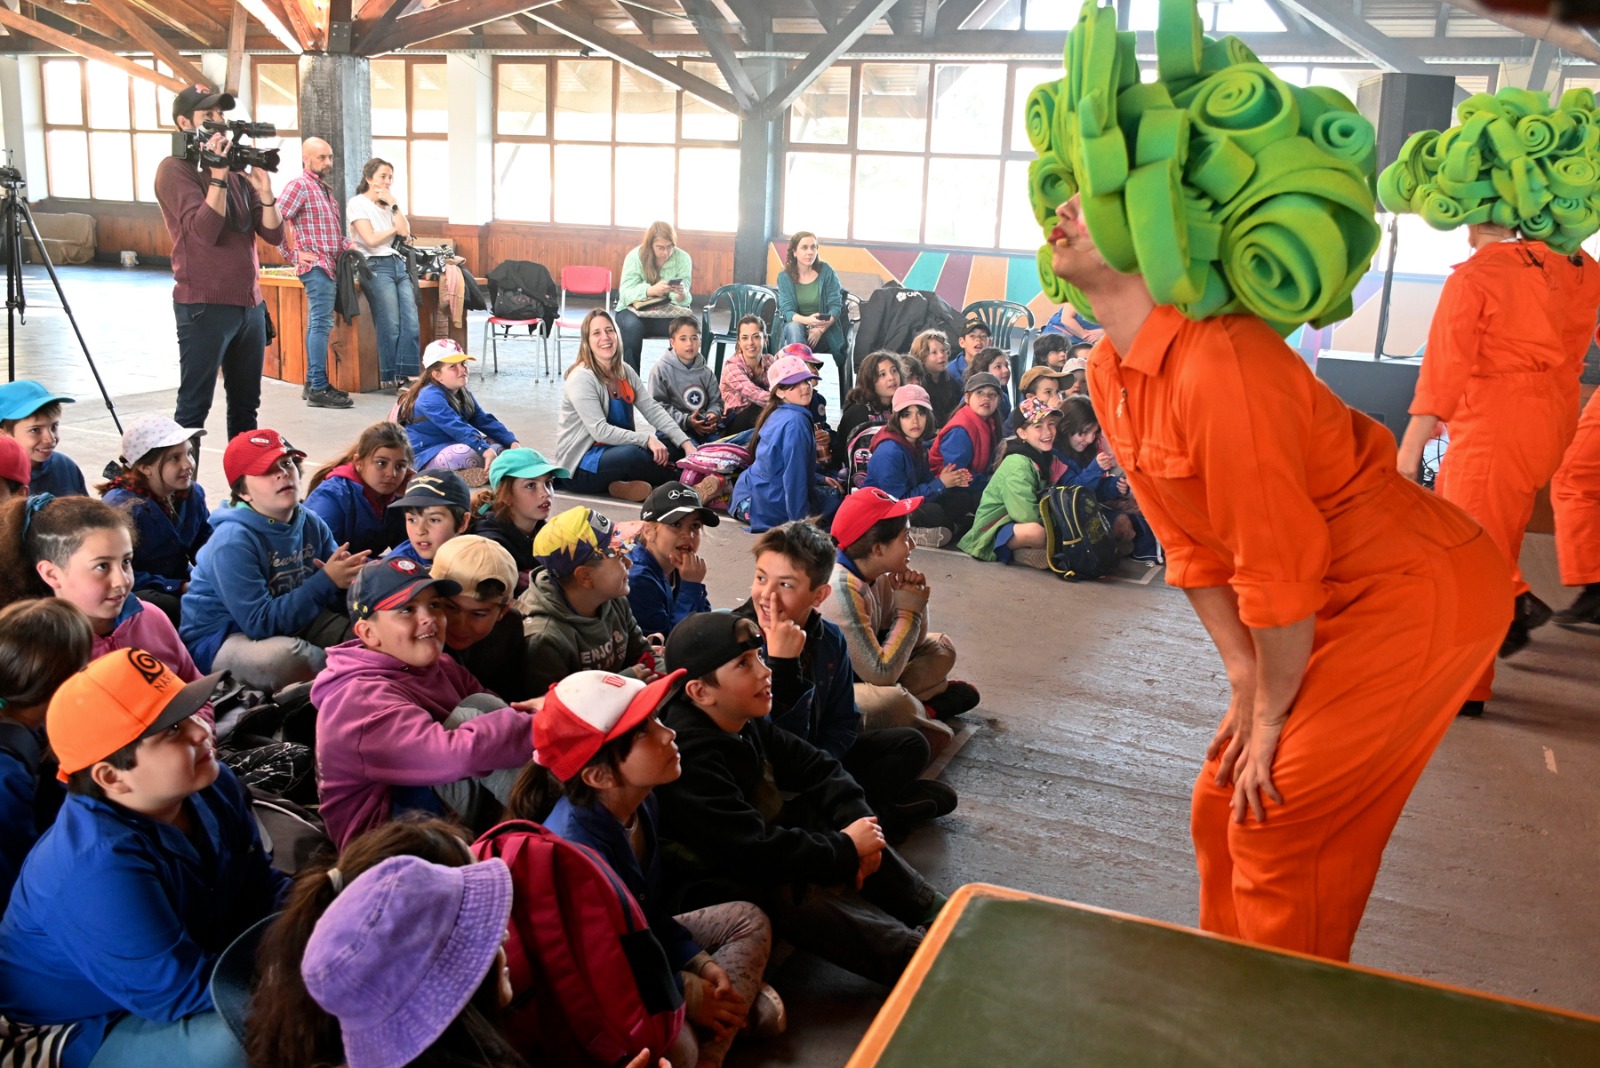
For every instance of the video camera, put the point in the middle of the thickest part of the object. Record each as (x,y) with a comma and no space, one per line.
(190,145)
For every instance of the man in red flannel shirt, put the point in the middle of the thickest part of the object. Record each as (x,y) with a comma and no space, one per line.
(313,237)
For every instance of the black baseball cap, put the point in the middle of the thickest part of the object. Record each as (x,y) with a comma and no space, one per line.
(705,641)
(384,585)
(431,489)
(199,98)
(674,501)
(975,325)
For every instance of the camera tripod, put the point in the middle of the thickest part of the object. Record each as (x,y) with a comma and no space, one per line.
(14,214)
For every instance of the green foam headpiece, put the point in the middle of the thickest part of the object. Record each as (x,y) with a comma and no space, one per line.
(1512,160)
(1227,188)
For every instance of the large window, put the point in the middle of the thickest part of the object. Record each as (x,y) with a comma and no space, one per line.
(588,141)
(104,131)
(913,153)
(410,120)
(277,100)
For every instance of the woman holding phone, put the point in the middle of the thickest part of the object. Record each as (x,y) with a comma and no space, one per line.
(654,290)
(375,221)
(810,300)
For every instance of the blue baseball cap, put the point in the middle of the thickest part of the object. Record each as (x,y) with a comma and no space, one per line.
(22,398)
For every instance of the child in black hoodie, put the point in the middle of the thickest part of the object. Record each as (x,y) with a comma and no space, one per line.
(817,863)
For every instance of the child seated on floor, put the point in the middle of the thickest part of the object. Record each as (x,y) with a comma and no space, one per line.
(353,493)
(400,726)
(1086,463)
(576,615)
(683,384)
(973,340)
(996,362)
(969,442)
(152,867)
(1007,526)
(600,742)
(31,414)
(899,466)
(932,349)
(42,643)
(1078,368)
(516,505)
(783,481)
(81,550)
(1043,383)
(448,428)
(153,481)
(437,506)
(267,592)
(813,688)
(485,632)
(1050,350)
(912,373)
(744,376)
(666,573)
(902,669)
(761,815)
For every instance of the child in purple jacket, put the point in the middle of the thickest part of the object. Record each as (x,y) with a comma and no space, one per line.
(402,727)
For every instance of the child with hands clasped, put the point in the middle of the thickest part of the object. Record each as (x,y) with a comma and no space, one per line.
(81,550)
(602,740)
(31,414)
(683,384)
(266,595)
(447,426)
(666,573)
(353,493)
(153,866)
(783,482)
(1007,526)
(817,863)
(899,466)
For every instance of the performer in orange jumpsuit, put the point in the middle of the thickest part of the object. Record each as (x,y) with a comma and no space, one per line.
(1352,608)
(1575,497)
(1501,369)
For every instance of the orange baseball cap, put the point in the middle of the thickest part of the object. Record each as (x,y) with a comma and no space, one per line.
(119,698)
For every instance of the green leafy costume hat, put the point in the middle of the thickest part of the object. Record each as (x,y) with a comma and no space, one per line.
(1512,161)
(1227,188)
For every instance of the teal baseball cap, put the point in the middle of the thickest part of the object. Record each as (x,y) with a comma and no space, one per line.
(523,463)
(22,398)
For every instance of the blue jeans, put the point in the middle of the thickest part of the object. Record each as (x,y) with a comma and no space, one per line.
(620,463)
(199,1041)
(319,322)
(394,318)
(220,335)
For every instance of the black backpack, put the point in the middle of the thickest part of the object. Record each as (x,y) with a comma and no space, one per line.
(1077,537)
(517,304)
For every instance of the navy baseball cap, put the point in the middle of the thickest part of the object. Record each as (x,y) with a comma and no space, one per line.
(431,489)
(384,585)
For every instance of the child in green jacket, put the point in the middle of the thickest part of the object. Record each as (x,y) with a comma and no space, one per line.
(1007,525)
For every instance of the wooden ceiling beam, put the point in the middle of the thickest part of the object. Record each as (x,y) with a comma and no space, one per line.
(145,35)
(714,32)
(84,16)
(374,16)
(583,29)
(451,17)
(850,30)
(640,20)
(303,23)
(238,22)
(187,19)
(49,34)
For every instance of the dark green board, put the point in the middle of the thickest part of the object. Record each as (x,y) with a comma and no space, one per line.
(1022,983)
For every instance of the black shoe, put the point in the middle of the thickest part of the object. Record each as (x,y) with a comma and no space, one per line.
(401,382)
(920,801)
(1531,613)
(329,398)
(305,391)
(1470,710)
(958,697)
(1586,609)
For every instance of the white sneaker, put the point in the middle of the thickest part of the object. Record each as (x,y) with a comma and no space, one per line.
(930,537)
(1034,558)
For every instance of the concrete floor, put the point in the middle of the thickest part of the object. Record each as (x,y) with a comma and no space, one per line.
(1098,703)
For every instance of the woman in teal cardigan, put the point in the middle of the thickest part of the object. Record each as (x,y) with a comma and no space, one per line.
(810,301)
(649,271)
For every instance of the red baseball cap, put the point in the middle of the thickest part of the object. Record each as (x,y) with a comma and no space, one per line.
(865,507)
(254,452)
(14,462)
(586,710)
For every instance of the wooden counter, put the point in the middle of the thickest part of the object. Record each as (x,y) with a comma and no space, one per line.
(352,346)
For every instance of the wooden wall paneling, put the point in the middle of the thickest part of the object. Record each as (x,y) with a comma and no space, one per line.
(346,345)
(272,363)
(292,328)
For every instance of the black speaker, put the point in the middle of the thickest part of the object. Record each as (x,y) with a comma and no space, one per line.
(1398,105)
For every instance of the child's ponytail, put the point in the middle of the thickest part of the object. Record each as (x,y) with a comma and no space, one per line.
(774,402)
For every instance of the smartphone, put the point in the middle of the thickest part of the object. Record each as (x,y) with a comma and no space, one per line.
(674,281)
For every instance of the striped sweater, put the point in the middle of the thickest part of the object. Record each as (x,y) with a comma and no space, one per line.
(881,638)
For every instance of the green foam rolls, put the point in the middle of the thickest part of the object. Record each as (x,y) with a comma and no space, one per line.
(1249,103)
(1538,134)
(1220,168)
(1520,102)
(1530,188)
(1103,164)
(1050,182)
(1157,220)
(1107,217)
(1345,136)
(1538,226)
(1180,40)
(1437,210)
(1577,100)
(1164,134)
(1504,141)
(1567,211)
(1465,191)
(1039,115)
(1223,53)
(1055,287)
(1285,259)
(1574,176)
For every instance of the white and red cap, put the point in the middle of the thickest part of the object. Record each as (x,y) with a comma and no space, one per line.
(586,710)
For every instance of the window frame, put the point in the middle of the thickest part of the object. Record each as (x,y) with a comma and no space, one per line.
(89,130)
(412,135)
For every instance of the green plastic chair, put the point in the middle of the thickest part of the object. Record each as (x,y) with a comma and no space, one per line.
(743,299)
(1001,317)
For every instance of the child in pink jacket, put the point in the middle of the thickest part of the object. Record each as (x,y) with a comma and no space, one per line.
(400,726)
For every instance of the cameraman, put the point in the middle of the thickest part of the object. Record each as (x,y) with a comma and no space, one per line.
(214,217)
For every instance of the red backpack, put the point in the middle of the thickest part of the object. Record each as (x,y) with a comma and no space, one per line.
(592,985)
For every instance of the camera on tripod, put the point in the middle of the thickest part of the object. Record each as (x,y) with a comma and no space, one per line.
(191,145)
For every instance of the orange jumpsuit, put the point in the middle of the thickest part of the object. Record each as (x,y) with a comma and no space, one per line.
(1254,475)
(1501,368)
(1575,498)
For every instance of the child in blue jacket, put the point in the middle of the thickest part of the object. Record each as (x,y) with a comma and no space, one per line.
(352,493)
(267,594)
(899,466)
(447,426)
(666,574)
(783,482)
(152,868)
(155,484)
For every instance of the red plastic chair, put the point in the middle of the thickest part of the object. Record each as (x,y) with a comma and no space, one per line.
(583,282)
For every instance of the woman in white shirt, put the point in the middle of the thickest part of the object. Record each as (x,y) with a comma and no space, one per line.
(375,220)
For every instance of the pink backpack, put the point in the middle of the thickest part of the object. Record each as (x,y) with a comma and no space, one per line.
(592,985)
(718,458)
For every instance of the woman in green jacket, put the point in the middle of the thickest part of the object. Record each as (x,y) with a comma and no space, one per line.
(810,300)
(657,268)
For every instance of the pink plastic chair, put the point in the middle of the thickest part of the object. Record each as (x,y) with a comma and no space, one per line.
(583,282)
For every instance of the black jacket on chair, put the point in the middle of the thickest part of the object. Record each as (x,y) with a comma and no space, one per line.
(533,279)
